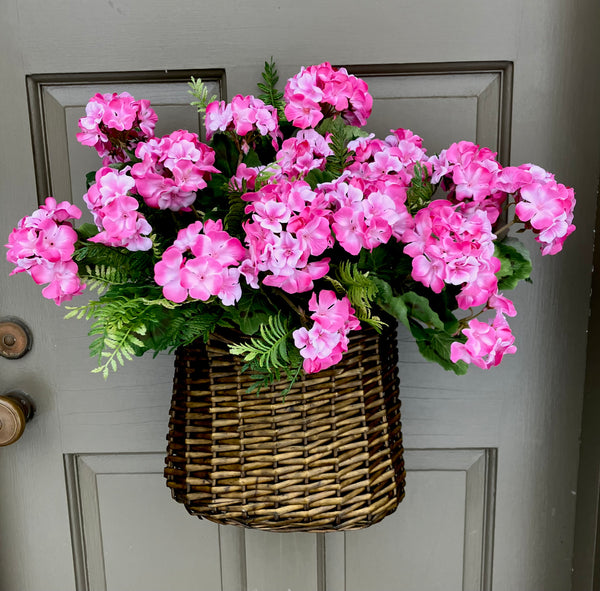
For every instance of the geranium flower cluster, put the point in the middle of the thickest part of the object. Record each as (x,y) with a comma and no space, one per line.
(243,116)
(172,169)
(474,178)
(486,343)
(203,262)
(450,247)
(289,225)
(289,212)
(321,91)
(327,340)
(546,207)
(115,211)
(391,160)
(305,152)
(114,124)
(43,244)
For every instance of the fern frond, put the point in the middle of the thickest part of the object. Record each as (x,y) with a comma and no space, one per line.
(270,95)
(339,160)
(420,191)
(361,291)
(96,262)
(270,350)
(199,91)
(100,277)
(232,222)
(121,325)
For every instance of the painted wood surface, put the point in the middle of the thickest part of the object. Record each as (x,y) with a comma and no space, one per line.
(525,415)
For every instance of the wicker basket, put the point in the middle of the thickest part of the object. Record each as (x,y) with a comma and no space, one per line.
(328,458)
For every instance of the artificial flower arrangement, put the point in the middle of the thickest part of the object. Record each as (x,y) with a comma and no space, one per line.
(293,227)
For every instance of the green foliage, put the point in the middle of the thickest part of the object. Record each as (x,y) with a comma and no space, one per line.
(271,356)
(86,231)
(340,135)
(252,311)
(102,266)
(184,325)
(435,345)
(270,349)
(434,333)
(270,95)
(393,305)
(199,91)
(226,154)
(360,289)
(119,327)
(316,177)
(420,191)
(515,263)
(232,222)
(90,179)
(127,323)
(389,263)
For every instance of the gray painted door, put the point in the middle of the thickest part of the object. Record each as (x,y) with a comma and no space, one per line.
(492,457)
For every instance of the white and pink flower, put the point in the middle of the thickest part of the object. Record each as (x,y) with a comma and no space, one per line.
(42,245)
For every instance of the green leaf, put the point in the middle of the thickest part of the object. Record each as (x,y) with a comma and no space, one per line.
(418,307)
(340,134)
(269,349)
(394,305)
(316,177)
(270,95)
(90,179)
(420,191)
(515,263)
(251,159)
(435,345)
(199,91)
(226,154)
(86,231)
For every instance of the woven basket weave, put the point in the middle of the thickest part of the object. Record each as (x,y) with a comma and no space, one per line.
(328,458)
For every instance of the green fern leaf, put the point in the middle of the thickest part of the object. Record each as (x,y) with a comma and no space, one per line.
(270,95)
(199,91)
(270,350)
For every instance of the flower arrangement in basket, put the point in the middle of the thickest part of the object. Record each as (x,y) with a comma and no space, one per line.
(293,226)
(271,250)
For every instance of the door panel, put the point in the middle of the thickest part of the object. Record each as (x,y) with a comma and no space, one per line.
(491,457)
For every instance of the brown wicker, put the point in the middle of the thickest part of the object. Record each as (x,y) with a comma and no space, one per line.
(327,458)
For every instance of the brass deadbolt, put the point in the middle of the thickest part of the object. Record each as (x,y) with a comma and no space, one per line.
(15,338)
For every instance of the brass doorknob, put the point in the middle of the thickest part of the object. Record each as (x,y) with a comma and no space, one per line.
(15,410)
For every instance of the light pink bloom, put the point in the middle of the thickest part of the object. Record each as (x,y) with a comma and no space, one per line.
(114,124)
(187,236)
(61,276)
(202,277)
(231,290)
(167,273)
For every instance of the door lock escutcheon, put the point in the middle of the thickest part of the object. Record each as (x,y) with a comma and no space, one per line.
(15,338)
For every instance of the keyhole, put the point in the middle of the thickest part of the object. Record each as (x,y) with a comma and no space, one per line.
(9,340)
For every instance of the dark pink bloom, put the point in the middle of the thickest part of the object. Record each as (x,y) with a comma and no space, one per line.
(319,90)
(486,343)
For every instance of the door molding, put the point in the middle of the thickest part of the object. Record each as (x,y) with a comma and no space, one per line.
(503,69)
(241,551)
(47,110)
